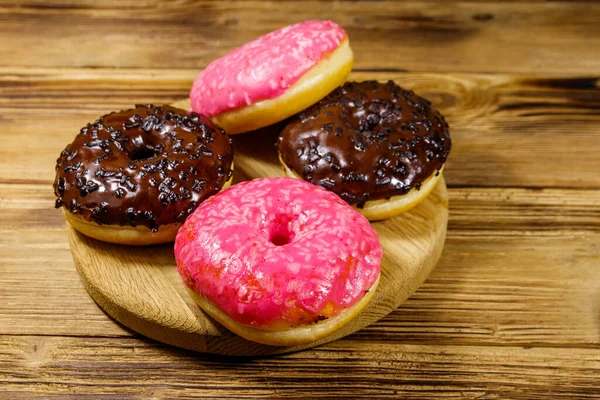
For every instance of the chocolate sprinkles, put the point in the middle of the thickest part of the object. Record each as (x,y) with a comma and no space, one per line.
(150,166)
(367,141)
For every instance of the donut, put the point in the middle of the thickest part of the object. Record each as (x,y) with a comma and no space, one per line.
(279,261)
(132,177)
(274,76)
(379,147)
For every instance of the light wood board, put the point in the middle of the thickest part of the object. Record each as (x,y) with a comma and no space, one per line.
(447,36)
(141,288)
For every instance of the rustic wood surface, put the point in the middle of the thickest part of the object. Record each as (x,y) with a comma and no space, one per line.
(511,311)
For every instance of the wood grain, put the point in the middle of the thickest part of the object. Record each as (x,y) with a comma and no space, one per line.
(493,211)
(501,279)
(507,130)
(511,311)
(33,365)
(522,37)
(529,290)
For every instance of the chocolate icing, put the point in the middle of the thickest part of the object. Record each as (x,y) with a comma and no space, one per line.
(367,141)
(147,166)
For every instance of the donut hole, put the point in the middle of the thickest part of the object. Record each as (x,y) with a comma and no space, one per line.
(142,147)
(143,153)
(280,238)
(280,230)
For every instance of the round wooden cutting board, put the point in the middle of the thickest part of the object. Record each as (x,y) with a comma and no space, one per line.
(141,288)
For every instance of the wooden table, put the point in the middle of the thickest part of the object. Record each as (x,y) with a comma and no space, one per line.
(513,308)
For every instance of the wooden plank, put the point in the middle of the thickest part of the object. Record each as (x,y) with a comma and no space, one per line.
(519,267)
(135,4)
(40,291)
(507,130)
(33,365)
(532,212)
(524,37)
(491,211)
(523,290)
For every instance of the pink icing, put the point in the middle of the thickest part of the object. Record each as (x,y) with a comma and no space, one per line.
(278,250)
(263,68)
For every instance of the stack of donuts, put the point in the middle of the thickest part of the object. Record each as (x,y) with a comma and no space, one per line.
(280,261)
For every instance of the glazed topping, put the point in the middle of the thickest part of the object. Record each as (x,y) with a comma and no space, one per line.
(367,141)
(146,166)
(278,253)
(263,68)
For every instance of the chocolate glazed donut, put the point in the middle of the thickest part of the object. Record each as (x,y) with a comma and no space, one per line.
(148,166)
(367,141)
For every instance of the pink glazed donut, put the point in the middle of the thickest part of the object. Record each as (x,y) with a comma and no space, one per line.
(279,261)
(274,76)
